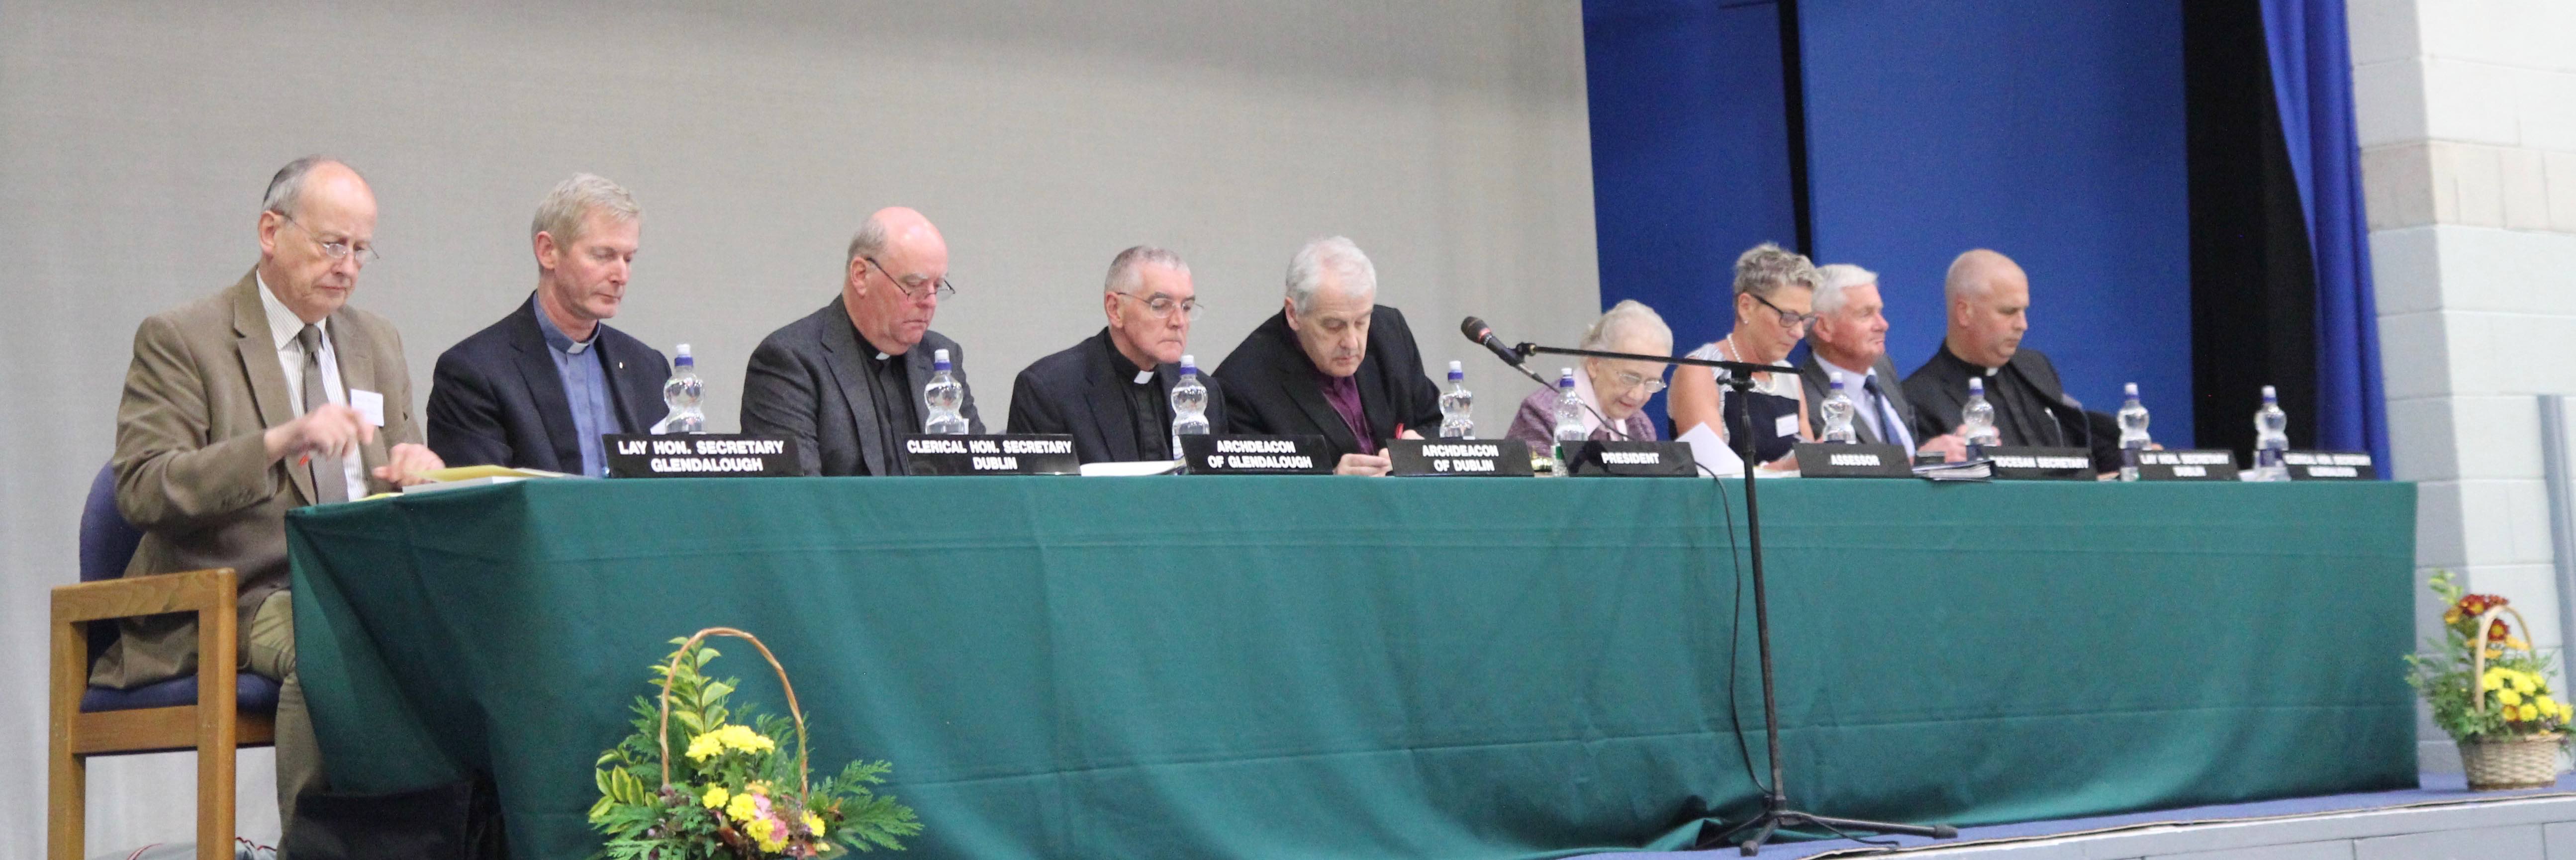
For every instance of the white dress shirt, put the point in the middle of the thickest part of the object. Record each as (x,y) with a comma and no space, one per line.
(283,325)
(1881,418)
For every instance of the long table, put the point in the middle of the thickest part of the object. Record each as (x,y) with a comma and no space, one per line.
(1348,667)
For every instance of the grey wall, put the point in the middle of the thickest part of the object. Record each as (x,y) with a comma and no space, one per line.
(2467,120)
(1447,138)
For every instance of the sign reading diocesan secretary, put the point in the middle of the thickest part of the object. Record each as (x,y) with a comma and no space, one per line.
(699,454)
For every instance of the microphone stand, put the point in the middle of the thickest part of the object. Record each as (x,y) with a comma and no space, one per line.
(1776,813)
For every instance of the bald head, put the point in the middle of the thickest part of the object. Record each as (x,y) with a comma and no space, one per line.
(317,228)
(898,266)
(1989,299)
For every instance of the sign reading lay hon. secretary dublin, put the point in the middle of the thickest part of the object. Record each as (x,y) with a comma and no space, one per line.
(700,455)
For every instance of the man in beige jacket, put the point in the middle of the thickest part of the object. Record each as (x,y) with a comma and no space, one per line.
(269,395)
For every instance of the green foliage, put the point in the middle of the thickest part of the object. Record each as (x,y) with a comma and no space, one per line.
(734,783)
(2510,696)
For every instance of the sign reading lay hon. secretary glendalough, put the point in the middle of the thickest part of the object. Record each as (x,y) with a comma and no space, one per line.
(699,455)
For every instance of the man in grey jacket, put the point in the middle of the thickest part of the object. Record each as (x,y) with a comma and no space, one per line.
(846,381)
(1849,340)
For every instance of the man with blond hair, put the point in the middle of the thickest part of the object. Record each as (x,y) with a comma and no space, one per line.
(537,389)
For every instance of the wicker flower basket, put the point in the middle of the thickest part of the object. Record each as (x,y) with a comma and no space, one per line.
(2512,761)
(2520,761)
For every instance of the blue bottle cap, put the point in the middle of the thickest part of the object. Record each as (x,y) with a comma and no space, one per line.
(939,359)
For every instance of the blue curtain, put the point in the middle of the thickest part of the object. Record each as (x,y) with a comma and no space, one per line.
(2312,80)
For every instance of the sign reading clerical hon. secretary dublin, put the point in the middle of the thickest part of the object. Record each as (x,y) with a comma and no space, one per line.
(705,455)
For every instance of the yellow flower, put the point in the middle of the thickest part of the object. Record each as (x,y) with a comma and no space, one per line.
(2493,680)
(716,796)
(742,808)
(2508,696)
(771,833)
(2530,713)
(705,746)
(814,824)
(2524,682)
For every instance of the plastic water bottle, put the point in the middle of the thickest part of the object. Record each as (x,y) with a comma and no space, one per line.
(1189,404)
(2271,439)
(945,396)
(2133,432)
(1569,418)
(681,394)
(1837,410)
(1455,423)
(1979,418)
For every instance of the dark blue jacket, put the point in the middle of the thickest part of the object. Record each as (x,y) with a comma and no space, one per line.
(497,399)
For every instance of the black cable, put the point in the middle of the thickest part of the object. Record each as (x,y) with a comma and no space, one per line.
(1735,629)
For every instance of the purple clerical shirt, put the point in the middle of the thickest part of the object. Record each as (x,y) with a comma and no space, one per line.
(1344,393)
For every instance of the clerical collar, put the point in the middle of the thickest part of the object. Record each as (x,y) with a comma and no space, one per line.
(555,337)
(1109,345)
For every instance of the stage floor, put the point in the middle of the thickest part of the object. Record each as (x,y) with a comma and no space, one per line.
(2441,818)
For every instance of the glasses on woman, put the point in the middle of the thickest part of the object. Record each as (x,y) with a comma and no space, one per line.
(1788,319)
(1632,381)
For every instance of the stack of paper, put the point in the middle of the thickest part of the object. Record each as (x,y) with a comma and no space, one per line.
(460,477)
(1965,470)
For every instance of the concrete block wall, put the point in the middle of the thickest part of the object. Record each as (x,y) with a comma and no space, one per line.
(2467,119)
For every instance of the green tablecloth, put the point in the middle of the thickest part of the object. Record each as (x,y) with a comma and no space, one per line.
(1343,667)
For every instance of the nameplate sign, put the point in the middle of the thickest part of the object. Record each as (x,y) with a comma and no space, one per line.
(2329,466)
(2013,463)
(699,455)
(1460,457)
(1631,459)
(1840,460)
(1256,455)
(990,454)
(2192,465)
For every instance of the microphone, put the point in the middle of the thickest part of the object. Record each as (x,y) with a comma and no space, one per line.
(1476,330)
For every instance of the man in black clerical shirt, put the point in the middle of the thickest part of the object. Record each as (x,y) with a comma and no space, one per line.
(846,381)
(1332,363)
(1989,297)
(1113,391)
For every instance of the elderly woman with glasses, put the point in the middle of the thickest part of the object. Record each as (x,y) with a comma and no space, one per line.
(1614,392)
(1774,300)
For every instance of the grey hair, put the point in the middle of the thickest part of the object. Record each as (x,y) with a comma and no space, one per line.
(286,189)
(1337,255)
(869,241)
(1628,318)
(1766,268)
(1836,278)
(1123,274)
(570,203)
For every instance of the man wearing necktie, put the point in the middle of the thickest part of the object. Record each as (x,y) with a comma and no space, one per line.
(269,395)
(1849,342)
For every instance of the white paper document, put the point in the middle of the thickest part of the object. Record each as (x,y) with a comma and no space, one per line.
(1712,453)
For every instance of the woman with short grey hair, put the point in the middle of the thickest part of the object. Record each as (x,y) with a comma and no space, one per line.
(1775,294)
(1613,391)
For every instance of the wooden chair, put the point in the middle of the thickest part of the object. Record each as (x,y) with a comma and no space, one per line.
(215,712)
